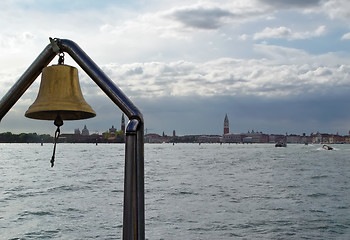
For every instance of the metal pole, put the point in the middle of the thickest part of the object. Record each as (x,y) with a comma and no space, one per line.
(100,78)
(24,82)
(129,214)
(134,210)
(134,216)
(140,183)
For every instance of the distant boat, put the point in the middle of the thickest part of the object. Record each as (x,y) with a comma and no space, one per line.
(327,147)
(280,144)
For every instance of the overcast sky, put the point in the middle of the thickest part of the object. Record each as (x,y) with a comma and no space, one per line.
(275,66)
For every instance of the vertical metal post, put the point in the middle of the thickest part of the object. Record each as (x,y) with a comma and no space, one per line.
(134,218)
(134,210)
(140,182)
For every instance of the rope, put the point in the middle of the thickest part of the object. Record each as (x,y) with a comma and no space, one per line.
(58,122)
(57,134)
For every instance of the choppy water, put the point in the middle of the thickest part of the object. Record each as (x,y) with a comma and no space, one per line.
(207,191)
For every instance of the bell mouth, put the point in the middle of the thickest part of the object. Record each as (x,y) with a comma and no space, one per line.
(65,115)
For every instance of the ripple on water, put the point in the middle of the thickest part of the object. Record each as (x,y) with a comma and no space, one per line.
(209,191)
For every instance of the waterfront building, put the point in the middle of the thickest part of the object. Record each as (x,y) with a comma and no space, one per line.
(256,137)
(123,124)
(226,125)
(77,131)
(112,130)
(208,138)
(294,138)
(274,138)
(85,131)
(232,138)
(153,138)
(250,137)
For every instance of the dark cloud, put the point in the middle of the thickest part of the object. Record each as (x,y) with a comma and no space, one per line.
(292,3)
(320,111)
(294,115)
(203,18)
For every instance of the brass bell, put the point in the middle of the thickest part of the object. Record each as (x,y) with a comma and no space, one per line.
(60,95)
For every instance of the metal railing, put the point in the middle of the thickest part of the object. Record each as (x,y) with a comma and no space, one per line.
(134,210)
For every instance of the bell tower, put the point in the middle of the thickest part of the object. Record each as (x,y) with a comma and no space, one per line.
(123,124)
(226,125)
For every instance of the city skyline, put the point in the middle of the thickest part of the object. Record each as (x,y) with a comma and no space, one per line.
(225,131)
(272,66)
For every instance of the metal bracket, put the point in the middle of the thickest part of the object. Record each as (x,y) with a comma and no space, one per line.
(134,216)
(54,45)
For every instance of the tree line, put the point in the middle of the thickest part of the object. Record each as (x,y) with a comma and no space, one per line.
(8,137)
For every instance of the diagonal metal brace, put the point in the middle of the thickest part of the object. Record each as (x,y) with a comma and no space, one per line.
(134,218)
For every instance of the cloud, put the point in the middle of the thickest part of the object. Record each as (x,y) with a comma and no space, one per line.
(233,77)
(269,115)
(294,3)
(287,33)
(243,37)
(337,9)
(202,18)
(282,72)
(346,36)
(212,15)
(196,61)
(12,42)
(334,9)
(281,32)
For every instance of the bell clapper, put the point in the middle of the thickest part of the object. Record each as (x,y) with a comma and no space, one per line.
(58,123)
(59,97)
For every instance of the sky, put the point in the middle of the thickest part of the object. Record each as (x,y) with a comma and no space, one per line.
(273,66)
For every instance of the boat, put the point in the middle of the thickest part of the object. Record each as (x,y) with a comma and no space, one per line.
(327,147)
(280,144)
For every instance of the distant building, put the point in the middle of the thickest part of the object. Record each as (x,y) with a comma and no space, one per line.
(250,137)
(292,138)
(208,138)
(232,138)
(112,130)
(226,125)
(274,138)
(123,124)
(153,138)
(85,131)
(77,131)
(255,137)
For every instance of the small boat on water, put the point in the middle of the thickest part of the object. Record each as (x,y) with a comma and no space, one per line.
(327,147)
(280,144)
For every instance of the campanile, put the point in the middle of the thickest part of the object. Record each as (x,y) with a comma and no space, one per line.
(226,125)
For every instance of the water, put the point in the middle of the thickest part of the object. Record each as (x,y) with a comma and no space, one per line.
(206,191)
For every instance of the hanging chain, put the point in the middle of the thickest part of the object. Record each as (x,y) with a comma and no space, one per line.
(58,122)
(61,58)
(57,50)
(57,134)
